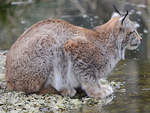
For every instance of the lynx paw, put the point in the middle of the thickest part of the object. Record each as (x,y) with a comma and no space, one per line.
(106,90)
(98,92)
(68,92)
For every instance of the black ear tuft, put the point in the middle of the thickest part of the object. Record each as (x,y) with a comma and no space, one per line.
(124,17)
(116,10)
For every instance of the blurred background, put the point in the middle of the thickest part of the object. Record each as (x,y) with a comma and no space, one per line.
(134,72)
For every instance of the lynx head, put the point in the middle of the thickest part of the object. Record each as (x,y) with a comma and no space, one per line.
(129,35)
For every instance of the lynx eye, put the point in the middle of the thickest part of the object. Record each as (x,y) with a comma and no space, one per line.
(131,32)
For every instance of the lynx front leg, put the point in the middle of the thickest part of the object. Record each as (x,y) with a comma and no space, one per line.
(90,82)
(91,89)
(96,90)
(87,61)
(106,89)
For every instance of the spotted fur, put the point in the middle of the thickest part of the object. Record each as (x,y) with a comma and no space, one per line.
(53,54)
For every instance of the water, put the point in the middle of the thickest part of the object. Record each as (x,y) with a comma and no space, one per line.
(134,72)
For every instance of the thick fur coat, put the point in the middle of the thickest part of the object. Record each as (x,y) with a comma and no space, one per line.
(55,54)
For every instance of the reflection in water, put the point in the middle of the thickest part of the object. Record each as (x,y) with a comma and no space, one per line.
(148,26)
(134,72)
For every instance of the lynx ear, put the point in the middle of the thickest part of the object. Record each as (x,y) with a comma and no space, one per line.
(116,10)
(124,17)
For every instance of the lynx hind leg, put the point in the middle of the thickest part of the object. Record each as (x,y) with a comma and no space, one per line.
(68,92)
(49,90)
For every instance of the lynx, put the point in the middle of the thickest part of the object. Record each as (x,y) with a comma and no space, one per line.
(54,54)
